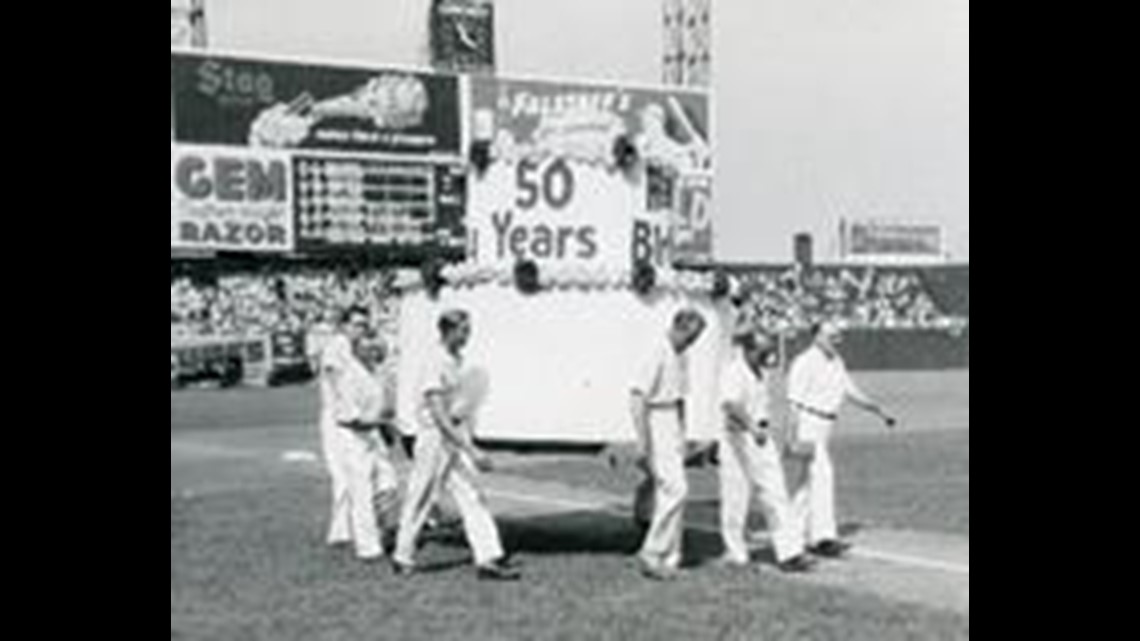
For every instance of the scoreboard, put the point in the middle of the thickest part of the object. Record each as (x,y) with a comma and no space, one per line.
(347,203)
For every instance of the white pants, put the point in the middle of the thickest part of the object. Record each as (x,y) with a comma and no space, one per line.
(438,468)
(663,543)
(339,522)
(748,469)
(362,473)
(813,482)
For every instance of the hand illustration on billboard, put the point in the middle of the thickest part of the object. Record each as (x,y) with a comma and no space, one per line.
(389,102)
(283,125)
(656,141)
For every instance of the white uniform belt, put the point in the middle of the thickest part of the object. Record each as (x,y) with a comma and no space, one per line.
(827,416)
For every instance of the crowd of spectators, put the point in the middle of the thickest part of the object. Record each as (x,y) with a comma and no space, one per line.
(860,297)
(292,301)
(277,302)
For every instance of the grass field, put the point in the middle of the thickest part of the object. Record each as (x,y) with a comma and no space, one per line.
(247,560)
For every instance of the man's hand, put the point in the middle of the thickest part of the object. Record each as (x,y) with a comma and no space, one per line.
(643,464)
(738,420)
(482,462)
(890,421)
(736,424)
(867,403)
(800,449)
(762,433)
(354,426)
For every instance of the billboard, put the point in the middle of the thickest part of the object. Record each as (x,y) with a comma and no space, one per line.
(692,222)
(225,100)
(557,190)
(275,156)
(892,242)
(230,199)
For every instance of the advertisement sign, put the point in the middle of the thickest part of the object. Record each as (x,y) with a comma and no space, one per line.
(692,222)
(194,354)
(226,360)
(229,199)
(892,241)
(223,100)
(589,177)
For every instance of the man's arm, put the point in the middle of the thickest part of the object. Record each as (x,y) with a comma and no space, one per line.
(453,432)
(643,389)
(639,409)
(864,401)
(313,349)
(797,381)
(739,420)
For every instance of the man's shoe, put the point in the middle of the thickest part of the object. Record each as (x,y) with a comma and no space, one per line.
(657,572)
(498,571)
(834,549)
(403,570)
(802,564)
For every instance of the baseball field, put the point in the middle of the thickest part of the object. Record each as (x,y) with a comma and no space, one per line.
(248,504)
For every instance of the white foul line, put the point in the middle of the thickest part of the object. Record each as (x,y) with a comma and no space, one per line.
(861,552)
(912,561)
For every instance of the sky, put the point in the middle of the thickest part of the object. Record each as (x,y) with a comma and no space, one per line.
(825,109)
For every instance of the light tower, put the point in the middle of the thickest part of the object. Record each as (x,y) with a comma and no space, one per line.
(687,55)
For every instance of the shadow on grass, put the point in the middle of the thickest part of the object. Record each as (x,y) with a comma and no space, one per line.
(606,534)
(586,533)
(581,534)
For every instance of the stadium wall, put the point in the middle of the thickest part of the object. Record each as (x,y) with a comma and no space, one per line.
(900,350)
(950,288)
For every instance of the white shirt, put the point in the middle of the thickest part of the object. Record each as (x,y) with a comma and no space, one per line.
(355,393)
(315,342)
(740,386)
(819,382)
(442,375)
(664,379)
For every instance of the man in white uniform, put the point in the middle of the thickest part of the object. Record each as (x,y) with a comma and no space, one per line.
(316,341)
(659,396)
(818,385)
(447,460)
(357,402)
(750,460)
